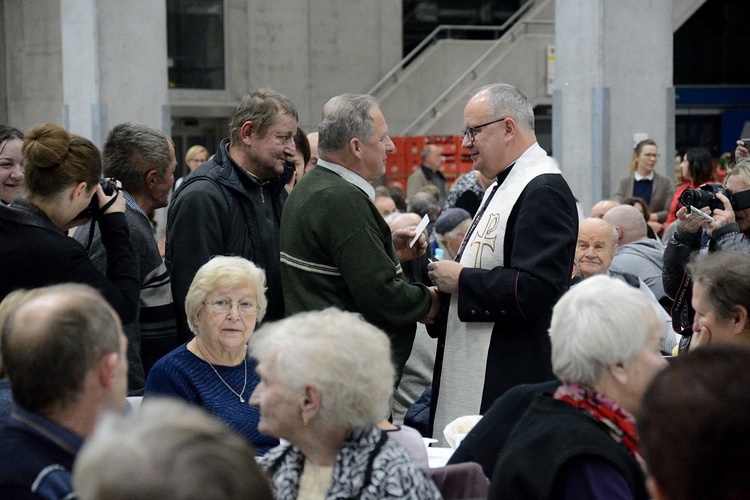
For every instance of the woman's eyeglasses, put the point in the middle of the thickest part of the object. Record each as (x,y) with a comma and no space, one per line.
(224,306)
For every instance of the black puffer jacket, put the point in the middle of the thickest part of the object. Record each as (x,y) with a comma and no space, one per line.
(220,209)
(677,284)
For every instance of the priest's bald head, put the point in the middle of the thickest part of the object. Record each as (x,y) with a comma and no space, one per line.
(499,121)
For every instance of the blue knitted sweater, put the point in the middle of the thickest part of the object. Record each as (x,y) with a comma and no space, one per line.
(184,375)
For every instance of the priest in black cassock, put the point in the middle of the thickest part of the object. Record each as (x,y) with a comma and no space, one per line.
(513,266)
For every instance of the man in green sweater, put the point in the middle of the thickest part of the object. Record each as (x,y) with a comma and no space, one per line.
(336,249)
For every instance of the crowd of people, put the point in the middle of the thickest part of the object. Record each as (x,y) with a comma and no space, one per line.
(294,308)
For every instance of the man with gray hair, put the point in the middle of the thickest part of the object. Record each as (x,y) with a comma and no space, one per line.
(232,204)
(64,353)
(142,158)
(336,249)
(514,264)
(429,173)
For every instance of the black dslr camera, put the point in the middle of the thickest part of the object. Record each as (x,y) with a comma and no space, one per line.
(93,211)
(705,196)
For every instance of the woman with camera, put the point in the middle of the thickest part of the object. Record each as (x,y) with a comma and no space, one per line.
(62,177)
(720,229)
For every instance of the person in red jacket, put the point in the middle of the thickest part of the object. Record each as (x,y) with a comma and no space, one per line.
(697,168)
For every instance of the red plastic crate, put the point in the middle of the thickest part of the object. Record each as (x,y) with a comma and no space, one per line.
(408,156)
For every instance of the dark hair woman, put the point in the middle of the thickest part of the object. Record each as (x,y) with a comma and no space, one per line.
(697,168)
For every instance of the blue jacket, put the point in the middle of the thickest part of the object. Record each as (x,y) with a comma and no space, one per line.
(36,457)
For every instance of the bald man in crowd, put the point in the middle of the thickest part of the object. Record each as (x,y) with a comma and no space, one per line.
(637,253)
(602,207)
(65,355)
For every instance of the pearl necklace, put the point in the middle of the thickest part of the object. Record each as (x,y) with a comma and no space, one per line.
(244,385)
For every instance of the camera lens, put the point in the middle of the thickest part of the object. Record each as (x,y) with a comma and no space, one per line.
(691,198)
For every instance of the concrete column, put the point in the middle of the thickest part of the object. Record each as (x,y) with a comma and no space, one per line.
(114,57)
(31,82)
(614,79)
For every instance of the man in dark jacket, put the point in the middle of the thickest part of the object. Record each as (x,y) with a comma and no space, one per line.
(232,204)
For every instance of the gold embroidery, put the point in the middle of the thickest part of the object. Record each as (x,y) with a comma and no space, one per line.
(486,237)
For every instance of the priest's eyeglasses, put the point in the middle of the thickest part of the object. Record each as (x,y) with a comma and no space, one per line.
(471,132)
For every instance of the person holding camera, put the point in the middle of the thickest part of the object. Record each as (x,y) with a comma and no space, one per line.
(720,224)
(62,178)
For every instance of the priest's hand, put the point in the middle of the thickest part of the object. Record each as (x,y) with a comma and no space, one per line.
(444,274)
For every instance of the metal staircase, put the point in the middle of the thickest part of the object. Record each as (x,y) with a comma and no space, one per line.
(426,92)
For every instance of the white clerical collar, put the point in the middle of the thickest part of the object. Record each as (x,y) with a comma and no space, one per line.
(349,176)
(639,177)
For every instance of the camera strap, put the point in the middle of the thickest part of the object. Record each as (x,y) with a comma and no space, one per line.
(110,202)
(92,226)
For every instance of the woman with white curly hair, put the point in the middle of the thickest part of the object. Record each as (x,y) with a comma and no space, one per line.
(581,442)
(325,382)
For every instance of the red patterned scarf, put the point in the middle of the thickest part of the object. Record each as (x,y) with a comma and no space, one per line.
(619,422)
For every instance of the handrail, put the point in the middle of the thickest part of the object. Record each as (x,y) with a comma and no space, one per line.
(448,28)
(418,49)
(431,108)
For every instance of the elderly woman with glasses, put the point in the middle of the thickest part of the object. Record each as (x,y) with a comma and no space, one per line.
(325,382)
(225,302)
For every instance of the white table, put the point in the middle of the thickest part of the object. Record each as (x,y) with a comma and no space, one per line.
(438,457)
